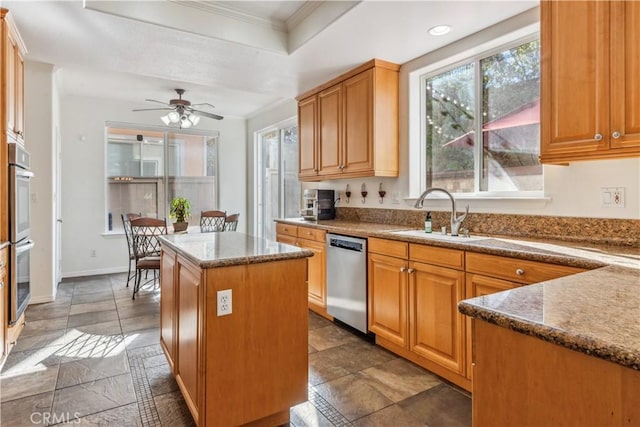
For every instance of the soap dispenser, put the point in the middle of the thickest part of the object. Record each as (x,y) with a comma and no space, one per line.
(427,223)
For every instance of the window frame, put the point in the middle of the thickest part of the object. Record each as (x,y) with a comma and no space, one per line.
(165,177)
(417,114)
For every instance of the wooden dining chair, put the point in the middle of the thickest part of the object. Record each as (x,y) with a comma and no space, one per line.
(212,221)
(126,224)
(145,232)
(231,222)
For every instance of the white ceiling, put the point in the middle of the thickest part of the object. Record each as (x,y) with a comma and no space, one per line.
(241,56)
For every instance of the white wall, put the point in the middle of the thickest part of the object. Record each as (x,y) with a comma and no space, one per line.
(572,190)
(41,121)
(83,181)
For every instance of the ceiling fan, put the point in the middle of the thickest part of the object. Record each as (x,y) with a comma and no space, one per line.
(181,111)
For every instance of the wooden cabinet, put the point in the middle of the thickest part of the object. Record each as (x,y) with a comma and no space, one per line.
(413,295)
(589,80)
(314,240)
(13,51)
(168,291)
(388,298)
(487,274)
(4,284)
(249,366)
(189,330)
(352,123)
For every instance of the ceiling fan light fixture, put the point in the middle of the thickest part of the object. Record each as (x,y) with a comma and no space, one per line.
(173,117)
(185,123)
(194,119)
(165,119)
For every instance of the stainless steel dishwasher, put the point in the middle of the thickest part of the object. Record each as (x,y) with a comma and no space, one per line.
(347,280)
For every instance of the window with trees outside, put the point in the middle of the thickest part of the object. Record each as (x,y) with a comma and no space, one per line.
(482,123)
(146,168)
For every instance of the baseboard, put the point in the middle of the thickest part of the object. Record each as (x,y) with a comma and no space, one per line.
(42,299)
(97,272)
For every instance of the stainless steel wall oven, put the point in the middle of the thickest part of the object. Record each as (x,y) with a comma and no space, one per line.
(20,231)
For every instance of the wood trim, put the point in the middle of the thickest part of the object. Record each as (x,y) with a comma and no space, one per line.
(393,248)
(8,18)
(445,257)
(367,65)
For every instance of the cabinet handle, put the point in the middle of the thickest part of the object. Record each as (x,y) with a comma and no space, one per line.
(598,136)
(519,272)
(1,284)
(309,233)
(403,269)
(411,270)
(615,135)
(315,170)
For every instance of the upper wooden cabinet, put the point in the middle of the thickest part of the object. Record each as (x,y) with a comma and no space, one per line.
(348,127)
(590,81)
(13,51)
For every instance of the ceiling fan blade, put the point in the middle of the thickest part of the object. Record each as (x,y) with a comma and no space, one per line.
(153,109)
(203,103)
(159,102)
(205,114)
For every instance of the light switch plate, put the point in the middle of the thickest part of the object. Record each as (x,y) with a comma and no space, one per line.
(612,197)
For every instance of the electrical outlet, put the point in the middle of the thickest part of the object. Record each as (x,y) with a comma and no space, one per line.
(612,197)
(92,253)
(224,302)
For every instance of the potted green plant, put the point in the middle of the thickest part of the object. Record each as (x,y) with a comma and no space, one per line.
(180,210)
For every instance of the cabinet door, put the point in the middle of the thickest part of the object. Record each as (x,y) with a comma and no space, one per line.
(434,321)
(19,97)
(574,77)
(625,74)
(168,306)
(358,123)
(477,286)
(307,145)
(387,299)
(330,130)
(188,321)
(316,274)
(10,56)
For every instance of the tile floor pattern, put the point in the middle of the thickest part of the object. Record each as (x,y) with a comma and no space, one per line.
(92,358)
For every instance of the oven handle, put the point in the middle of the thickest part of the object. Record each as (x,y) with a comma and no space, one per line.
(24,173)
(23,247)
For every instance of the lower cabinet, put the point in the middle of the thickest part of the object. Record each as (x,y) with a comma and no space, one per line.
(4,284)
(312,239)
(413,304)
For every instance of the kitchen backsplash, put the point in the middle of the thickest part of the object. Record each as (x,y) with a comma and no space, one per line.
(624,232)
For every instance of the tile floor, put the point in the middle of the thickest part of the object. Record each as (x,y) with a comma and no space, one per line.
(93,358)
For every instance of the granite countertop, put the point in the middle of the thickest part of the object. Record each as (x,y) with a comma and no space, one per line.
(596,312)
(224,249)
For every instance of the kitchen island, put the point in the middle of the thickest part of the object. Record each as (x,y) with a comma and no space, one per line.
(239,357)
(561,352)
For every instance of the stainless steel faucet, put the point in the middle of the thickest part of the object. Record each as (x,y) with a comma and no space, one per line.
(456,221)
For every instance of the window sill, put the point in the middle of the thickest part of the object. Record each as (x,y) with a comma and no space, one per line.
(112,234)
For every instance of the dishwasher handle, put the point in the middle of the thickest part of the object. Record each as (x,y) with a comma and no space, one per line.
(337,242)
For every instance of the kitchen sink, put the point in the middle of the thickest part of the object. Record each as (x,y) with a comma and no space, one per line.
(437,236)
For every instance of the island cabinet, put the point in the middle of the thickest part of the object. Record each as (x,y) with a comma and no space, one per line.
(413,295)
(348,127)
(245,367)
(488,274)
(13,51)
(314,240)
(590,61)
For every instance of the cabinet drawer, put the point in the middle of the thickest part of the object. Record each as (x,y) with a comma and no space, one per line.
(388,247)
(516,270)
(311,234)
(291,230)
(437,256)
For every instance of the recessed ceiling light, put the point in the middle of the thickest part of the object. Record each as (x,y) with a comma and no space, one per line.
(439,30)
